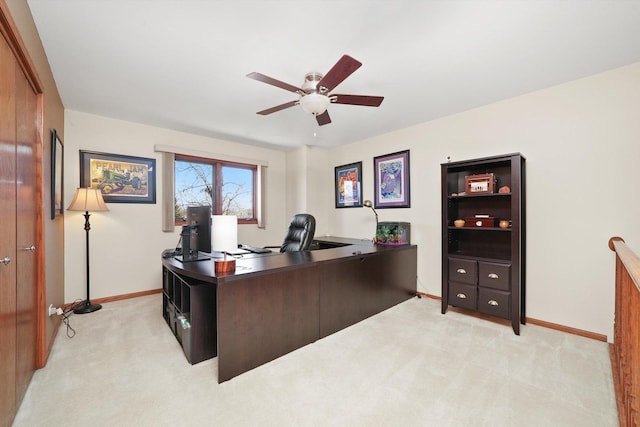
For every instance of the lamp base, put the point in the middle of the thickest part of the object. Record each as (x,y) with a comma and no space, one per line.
(86,307)
(224,266)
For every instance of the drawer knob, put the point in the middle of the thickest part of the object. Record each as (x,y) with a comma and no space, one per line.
(461,271)
(492,276)
(461,296)
(493,302)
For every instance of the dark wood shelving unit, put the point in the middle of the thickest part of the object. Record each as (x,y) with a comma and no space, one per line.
(483,268)
(187,307)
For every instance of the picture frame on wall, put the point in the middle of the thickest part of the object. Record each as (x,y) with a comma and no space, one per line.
(348,183)
(391,180)
(57,174)
(120,178)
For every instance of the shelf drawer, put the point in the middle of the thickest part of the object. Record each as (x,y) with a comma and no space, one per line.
(495,303)
(494,275)
(183,326)
(463,296)
(463,270)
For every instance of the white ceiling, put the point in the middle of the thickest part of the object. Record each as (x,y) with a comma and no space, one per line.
(182,64)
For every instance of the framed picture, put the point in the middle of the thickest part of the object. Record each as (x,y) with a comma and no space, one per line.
(121,179)
(391,175)
(57,169)
(349,185)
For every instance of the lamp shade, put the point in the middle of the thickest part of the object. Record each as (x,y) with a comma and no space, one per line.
(224,233)
(88,199)
(314,103)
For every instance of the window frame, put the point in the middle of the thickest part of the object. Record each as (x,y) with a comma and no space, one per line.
(217,165)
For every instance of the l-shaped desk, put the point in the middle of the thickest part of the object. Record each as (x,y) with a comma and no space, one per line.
(276,303)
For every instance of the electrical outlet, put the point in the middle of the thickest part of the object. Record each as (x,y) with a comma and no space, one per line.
(52,310)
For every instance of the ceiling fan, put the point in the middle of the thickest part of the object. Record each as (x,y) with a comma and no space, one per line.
(314,93)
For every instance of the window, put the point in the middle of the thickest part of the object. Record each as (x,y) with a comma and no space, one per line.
(230,188)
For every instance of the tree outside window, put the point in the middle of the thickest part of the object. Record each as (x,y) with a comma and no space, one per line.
(229,188)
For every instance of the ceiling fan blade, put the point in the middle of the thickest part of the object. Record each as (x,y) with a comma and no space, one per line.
(336,75)
(323,119)
(367,101)
(277,83)
(278,108)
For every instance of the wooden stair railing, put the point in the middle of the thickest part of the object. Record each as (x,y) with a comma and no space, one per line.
(625,350)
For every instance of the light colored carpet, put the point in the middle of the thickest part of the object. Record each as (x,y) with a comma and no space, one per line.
(407,366)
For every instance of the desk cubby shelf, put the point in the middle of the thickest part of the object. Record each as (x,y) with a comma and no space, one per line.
(187,305)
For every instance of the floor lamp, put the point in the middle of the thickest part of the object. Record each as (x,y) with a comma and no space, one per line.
(87,199)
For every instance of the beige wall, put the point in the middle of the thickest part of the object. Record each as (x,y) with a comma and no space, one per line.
(296,189)
(53,118)
(582,144)
(308,187)
(126,242)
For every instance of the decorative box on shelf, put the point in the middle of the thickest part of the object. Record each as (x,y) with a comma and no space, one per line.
(480,184)
(393,233)
(480,221)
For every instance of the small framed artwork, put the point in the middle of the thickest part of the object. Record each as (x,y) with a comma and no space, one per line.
(349,185)
(57,169)
(121,179)
(391,175)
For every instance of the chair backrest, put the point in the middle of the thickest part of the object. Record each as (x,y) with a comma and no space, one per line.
(300,234)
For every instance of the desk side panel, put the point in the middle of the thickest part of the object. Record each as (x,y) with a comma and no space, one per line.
(349,291)
(400,276)
(353,289)
(262,318)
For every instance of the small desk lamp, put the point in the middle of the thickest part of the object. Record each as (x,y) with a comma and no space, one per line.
(87,199)
(224,238)
(368,204)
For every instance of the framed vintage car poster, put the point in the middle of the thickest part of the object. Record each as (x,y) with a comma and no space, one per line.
(120,178)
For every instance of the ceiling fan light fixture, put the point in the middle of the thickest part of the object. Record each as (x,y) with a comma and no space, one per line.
(314,103)
(314,95)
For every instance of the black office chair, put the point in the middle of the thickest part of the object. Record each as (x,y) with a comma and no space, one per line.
(300,234)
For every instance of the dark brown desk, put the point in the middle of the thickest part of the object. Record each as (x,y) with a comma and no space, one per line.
(277,303)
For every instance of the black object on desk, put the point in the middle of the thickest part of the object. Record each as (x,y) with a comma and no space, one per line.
(254,249)
(194,256)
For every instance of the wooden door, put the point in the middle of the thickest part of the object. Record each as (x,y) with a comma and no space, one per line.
(8,235)
(20,195)
(27,196)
